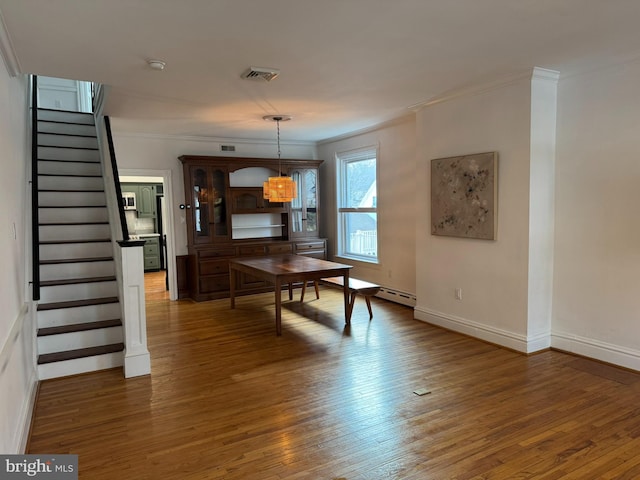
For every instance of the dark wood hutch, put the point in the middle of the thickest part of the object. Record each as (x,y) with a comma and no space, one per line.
(227,217)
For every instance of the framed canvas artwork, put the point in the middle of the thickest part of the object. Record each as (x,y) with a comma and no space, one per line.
(464,196)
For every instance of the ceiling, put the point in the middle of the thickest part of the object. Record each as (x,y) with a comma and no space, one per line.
(345,65)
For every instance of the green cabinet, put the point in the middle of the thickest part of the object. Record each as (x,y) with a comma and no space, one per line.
(145,198)
(152,254)
(146,201)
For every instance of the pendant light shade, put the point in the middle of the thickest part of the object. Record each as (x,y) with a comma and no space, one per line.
(281,188)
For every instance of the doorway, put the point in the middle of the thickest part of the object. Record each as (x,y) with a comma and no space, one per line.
(165,224)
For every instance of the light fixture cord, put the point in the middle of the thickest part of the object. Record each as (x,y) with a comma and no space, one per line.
(279,162)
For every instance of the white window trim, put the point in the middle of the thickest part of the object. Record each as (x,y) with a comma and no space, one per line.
(341,158)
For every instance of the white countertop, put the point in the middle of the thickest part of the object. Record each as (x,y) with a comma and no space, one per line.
(138,236)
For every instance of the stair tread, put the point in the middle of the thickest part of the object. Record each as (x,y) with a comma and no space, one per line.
(82,135)
(60,110)
(67,161)
(80,353)
(75,240)
(70,175)
(72,206)
(46,145)
(76,303)
(78,327)
(73,224)
(58,261)
(74,281)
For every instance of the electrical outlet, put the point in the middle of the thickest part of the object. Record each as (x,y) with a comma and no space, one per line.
(458,293)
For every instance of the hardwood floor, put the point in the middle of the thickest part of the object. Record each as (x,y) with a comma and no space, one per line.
(227,399)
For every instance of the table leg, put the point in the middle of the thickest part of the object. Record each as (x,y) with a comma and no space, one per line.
(347,309)
(232,287)
(278,306)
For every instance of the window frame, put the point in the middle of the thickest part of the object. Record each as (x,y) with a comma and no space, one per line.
(343,159)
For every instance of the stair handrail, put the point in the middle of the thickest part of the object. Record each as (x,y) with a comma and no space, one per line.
(116,179)
(35,220)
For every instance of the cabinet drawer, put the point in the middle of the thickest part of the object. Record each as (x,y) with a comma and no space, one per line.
(313,245)
(151,263)
(214,267)
(216,253)
(281,248)
(216,283)
(319,254)
(152,249)
(252,250)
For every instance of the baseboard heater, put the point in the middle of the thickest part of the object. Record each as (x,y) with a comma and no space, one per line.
(404,298)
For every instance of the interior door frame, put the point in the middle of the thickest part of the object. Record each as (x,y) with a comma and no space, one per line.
(167,184)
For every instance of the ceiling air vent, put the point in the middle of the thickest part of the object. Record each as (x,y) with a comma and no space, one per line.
(257,73)
(227,148)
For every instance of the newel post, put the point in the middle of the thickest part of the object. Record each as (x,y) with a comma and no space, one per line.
(137,360)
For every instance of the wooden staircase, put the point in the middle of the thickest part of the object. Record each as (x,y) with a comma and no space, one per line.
(79,326)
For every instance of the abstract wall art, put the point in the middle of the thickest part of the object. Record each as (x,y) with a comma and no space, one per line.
(464,196)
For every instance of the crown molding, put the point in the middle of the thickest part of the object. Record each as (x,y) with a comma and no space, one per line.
(388,123)
(7,52)
(540,73)
(476,89)
(212,139)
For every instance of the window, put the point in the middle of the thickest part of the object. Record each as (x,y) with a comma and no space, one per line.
(357,202)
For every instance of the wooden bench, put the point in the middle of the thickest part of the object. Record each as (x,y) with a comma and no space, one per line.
(356,287)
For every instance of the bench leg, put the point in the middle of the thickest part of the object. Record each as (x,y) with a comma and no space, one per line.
(367,298)
(351,303)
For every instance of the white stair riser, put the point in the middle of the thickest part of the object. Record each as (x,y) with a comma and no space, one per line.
(70,183)
(54,153)
(69,117)
(71,199)
(69,316)
(79,291)
(67,141)
(80,365)
(77,270)
(73,215)
(76,250)
(77,340)
(73,129)
(69,168)
(74,232)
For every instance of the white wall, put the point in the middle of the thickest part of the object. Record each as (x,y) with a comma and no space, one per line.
(597,240)
(493,275)
(154,153)
(17,366)
(396,207)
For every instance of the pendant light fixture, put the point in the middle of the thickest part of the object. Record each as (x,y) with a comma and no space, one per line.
(280,188)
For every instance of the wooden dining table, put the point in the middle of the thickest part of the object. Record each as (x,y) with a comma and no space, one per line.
(285,270)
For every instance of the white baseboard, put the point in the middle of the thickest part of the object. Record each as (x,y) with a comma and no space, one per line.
(505,338)
(605,352)
(27,414)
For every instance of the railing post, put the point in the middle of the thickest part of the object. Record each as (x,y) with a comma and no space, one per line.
(137,360)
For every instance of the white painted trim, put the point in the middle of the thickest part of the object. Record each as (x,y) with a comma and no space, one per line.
(476,89)
(21,435)
(212,139)
(386,124)
(27,413)
(505,338)
(545,74)
(7,52)
(596,349)
(167,182)
(12,337)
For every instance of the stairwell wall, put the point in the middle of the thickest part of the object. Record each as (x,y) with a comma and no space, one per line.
(18,377)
